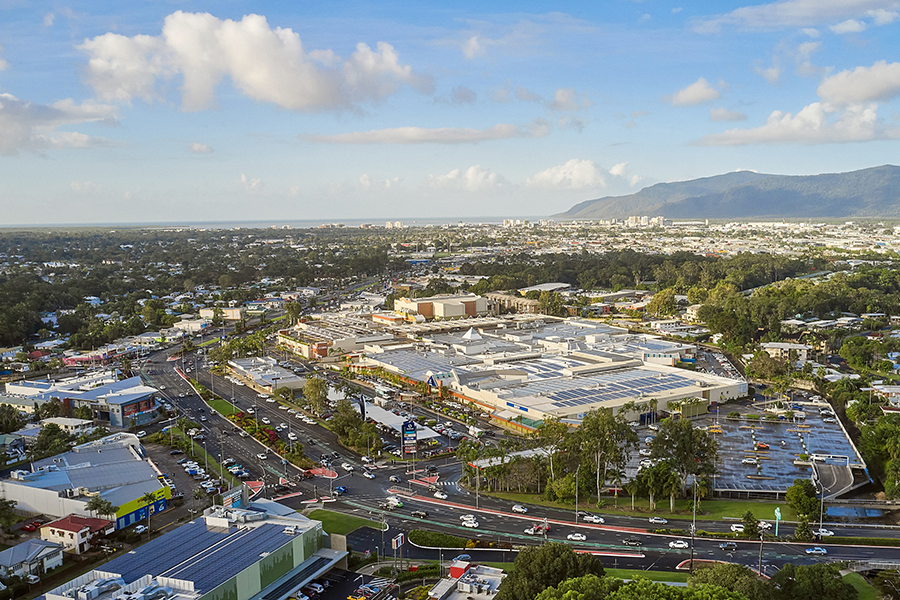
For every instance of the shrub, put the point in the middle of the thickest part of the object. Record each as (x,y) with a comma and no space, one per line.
(734,415)
(435,539)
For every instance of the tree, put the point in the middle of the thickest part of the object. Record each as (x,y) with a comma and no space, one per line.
(551,433)
(608,439)
(107,509)
(294,310)
(83,412)
(689,450)
(751,524)
(588,587)
(10,419)
(316,392)
(538,568)
(148,500)
(814,582)
(51,440)
(802,497)
(803,532)
(7,513)
(734,577)
(94,505)
(663,303)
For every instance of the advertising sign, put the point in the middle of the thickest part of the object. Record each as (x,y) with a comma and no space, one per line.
(409,437)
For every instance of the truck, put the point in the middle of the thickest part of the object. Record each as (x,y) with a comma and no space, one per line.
(475,432)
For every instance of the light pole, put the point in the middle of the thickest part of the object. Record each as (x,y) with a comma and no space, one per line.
(693,524)
(578,468)
(759,569)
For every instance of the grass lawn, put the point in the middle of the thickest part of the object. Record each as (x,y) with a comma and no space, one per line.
(865,590)
(339,523)
(223,407)
(710,510)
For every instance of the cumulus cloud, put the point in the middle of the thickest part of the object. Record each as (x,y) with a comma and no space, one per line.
(697,93)
(792,13)
(34,127)
(198,148)
(811,32)
(619,169)
(568,100)
(816,123)
(848,26)
(264,63)
(439,135)
(501,95)
(474,179)
(462,95)
(86,188)
(575,174)
(48,19)
(723,114)
(475,45)
(251,186)
(526,95)
(881,81)
(771,74)
(881,16)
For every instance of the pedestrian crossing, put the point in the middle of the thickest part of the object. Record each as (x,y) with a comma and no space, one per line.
(380,582)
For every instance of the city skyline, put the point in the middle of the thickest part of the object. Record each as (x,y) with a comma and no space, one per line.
(202,111)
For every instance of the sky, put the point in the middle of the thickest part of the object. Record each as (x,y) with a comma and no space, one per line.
(168,111)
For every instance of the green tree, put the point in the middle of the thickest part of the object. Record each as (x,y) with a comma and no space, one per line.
(51,440)
(803,532)
(663,303)
(691,451)
(7,513)
(802,497)
(608,439)
(294,310)
(94,505)
(814,582)
(587,587)
(83,412)
(551,432)
(10,419)
(538,568)
(751,524)
(148,500)
(734,577)
(316,392)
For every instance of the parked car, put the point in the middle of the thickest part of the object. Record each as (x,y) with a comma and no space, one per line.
(140,529)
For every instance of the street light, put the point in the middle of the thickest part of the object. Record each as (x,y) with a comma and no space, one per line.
(576,492)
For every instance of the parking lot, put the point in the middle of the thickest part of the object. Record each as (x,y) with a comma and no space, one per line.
(759,454)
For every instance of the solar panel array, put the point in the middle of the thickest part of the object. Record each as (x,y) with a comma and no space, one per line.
(619,385)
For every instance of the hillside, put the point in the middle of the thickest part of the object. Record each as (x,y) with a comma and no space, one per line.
(873,192)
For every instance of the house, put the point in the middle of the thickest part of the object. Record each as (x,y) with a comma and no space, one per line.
(31,557)
(71,426)
(782,350)
(76,532)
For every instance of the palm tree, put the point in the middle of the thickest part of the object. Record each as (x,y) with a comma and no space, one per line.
(670,484)
(197,495)
(148,500)
(108,509)
(94,505)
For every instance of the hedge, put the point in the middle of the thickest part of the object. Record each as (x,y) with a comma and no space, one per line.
(435,539)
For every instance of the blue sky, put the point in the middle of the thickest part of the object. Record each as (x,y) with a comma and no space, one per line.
(200,111)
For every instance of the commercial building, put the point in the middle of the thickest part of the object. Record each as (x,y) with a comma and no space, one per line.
(467,581)
(78,534)
(444,307)
(264,373)
(227,314)
(264,552)
(115,468)
(74,427)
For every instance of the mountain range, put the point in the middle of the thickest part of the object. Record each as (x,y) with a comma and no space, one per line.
(873,192)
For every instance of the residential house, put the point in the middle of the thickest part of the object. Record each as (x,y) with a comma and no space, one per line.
(76,532)
(31,557)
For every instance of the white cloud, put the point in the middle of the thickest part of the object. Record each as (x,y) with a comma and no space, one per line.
(474,179)
(475,46)
(526,95)
(439,135)
(811,32)
(501,95)
(568,100)
(86,188)
(569,122)
(198,148)
(3,64)
(48,19)
(677,10)
(848,26)
(265,64)
(792,13)
(575,174)
(697,93)
(619,169)
(816,123)
(881,16)
(723,114)
(365,182)
(34,127)
(771,74)
(881,81)
(462,95)
(805,66)
(251,186)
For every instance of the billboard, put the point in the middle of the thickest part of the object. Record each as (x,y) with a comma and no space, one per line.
(409,437)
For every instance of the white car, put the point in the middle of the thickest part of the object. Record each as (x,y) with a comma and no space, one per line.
(465,518)
(645,452)
(440,495)
(823,532)
(593,519)
(749,461)
(678,544)
(368,475)
(266,420)
(470,524)
(518,508)
(269,400)
(576,537)
(657,520)
(737,528)
(817,551)
(262,456)
(347,467)
(292,436)
(765,525)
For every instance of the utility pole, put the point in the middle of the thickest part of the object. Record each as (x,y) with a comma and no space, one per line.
(693,524)
(576,492)
(759,570)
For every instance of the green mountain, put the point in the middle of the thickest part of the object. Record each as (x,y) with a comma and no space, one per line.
(873,192)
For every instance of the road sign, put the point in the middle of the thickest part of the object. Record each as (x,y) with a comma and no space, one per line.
(398,541)
(777,519)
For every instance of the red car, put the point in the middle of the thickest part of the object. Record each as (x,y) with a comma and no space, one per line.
(761,446)
(29,527)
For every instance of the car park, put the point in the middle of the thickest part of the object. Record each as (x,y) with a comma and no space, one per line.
(678,544)
(576,537)
(761,446)
(518,508)
(816,551)
(830,420)
(657,520)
